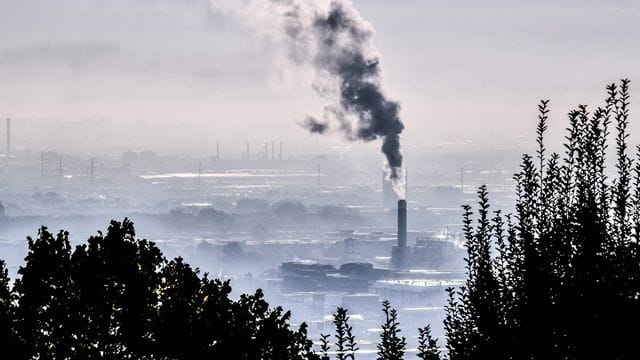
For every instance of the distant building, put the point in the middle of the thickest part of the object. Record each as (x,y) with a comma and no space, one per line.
(129,158)
(350,278)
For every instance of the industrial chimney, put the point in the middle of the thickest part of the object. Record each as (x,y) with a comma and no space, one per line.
(402,224)
(400,251)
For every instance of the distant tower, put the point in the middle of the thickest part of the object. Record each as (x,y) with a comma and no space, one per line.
(273,150)
(266,152)
(400,250)
(280,155)
(217,149)
(248,157)
(8,137)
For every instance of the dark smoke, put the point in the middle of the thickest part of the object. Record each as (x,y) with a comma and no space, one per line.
(332,37)
(315,126)
(343,42)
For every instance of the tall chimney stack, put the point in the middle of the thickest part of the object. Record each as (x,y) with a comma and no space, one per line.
(8,137)
(399,255)
(402,224)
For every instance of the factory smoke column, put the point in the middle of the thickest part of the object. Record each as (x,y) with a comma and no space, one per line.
(332,39)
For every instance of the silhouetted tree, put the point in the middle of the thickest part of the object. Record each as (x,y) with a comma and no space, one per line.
(345,340)
(9,346)
(324,345)
(391,345)
(118,281)
(427,345)
(116,297)
(560,279)
(45,296)
(178,326)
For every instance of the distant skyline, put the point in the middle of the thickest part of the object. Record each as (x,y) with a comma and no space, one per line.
(459,68)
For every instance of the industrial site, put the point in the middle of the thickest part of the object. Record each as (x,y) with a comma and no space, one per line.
(318,179)
(314,231)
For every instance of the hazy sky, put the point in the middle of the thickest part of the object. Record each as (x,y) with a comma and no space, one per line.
(458,67)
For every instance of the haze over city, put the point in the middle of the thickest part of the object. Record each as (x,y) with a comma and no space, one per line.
(323,152)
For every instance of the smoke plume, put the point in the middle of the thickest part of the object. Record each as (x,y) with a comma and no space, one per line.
(313,125)
(332,38)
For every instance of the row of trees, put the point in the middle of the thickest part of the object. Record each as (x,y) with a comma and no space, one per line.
(392,346)
(560,278)
(117,297)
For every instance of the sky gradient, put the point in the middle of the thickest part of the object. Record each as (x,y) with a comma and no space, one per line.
(458,68)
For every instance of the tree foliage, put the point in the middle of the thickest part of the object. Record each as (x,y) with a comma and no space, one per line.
(117,297)
(391,346)
(560,278)
(427,345)
(346,345)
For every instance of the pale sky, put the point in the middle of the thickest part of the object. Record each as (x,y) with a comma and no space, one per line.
(459,68)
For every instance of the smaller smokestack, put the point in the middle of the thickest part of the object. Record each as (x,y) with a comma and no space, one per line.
(248,157)
(266,152)
(217,149)
(273,150)
(280,155)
